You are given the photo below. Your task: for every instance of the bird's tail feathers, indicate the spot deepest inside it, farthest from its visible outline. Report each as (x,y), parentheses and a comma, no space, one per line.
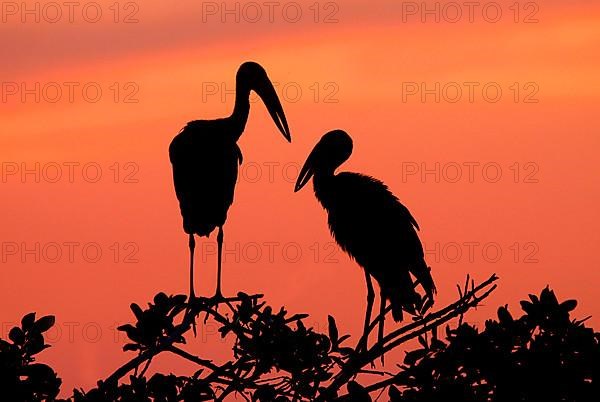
(423,275)
(403,302)
(403,297)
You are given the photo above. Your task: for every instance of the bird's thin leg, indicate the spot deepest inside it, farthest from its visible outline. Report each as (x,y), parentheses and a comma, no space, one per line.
(382,322)
(370,299)
(192,245)
(218,293)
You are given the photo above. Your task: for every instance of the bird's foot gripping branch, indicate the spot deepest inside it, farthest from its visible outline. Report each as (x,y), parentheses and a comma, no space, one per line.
(276,357)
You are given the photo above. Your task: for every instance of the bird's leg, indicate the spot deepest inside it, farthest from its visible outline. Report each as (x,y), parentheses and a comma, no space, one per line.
(218,293)
(370,299)
(192,245)
(381,322)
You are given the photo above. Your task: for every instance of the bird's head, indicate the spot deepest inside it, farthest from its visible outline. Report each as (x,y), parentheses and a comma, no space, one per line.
(331,151)
(253,77)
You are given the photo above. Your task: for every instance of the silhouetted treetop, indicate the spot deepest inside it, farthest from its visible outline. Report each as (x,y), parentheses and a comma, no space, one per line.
(20,376)
(543,355)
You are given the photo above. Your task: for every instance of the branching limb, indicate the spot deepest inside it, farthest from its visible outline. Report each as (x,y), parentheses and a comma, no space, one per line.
(469,299)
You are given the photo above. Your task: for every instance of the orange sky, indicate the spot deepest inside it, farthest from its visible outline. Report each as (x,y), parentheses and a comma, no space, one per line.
(527,187)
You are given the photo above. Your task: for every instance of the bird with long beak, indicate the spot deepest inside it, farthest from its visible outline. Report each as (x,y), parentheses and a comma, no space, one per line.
(372,226)
(205,158)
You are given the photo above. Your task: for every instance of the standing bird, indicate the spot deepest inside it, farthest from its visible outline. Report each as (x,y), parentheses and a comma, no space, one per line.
(372,226)
(205,158)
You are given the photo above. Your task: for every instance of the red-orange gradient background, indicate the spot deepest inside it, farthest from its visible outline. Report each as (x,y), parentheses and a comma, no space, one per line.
(351,74)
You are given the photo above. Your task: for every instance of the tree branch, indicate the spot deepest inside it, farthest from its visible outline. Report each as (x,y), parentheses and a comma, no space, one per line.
(167,343)
(413,330)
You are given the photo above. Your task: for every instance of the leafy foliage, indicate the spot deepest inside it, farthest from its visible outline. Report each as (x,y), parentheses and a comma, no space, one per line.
(154,323)
(543,355)
(20,376)
(160,387)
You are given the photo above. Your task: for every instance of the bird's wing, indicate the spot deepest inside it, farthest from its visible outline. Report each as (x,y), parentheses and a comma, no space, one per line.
(371,224)
(377,202)
(406,213)
(205,170)
(240,157)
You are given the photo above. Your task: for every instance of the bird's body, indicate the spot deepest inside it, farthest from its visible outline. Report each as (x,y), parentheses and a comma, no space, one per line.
(378,232)
(205,158)
(205,170)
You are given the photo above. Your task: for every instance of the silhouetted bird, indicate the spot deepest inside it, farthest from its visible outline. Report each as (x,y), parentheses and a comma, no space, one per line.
(371,225)
(205,158)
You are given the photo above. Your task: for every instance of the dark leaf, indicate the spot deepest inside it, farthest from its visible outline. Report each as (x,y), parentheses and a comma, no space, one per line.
(38,372)
(17,336)
(161,299)
(412,357)
(527,306)
(343,338)
(333,331)
(357,392)
(569,305)
(45,323)
(504,316)
(436,344)
(28,321)
(137,311)
(395,395)
(131,347)
(548,297)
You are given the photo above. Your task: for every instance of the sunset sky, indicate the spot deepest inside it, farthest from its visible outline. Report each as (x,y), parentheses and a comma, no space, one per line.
(485,126)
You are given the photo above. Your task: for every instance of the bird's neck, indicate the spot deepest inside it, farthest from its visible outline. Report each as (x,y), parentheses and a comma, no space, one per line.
(239,117)
(323,187)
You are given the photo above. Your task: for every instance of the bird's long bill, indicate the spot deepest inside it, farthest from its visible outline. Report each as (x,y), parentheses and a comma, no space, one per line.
(266,91)
(306,173)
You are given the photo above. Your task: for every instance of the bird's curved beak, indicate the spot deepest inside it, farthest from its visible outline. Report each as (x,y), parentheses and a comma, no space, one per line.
(306,173)
(266,91)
